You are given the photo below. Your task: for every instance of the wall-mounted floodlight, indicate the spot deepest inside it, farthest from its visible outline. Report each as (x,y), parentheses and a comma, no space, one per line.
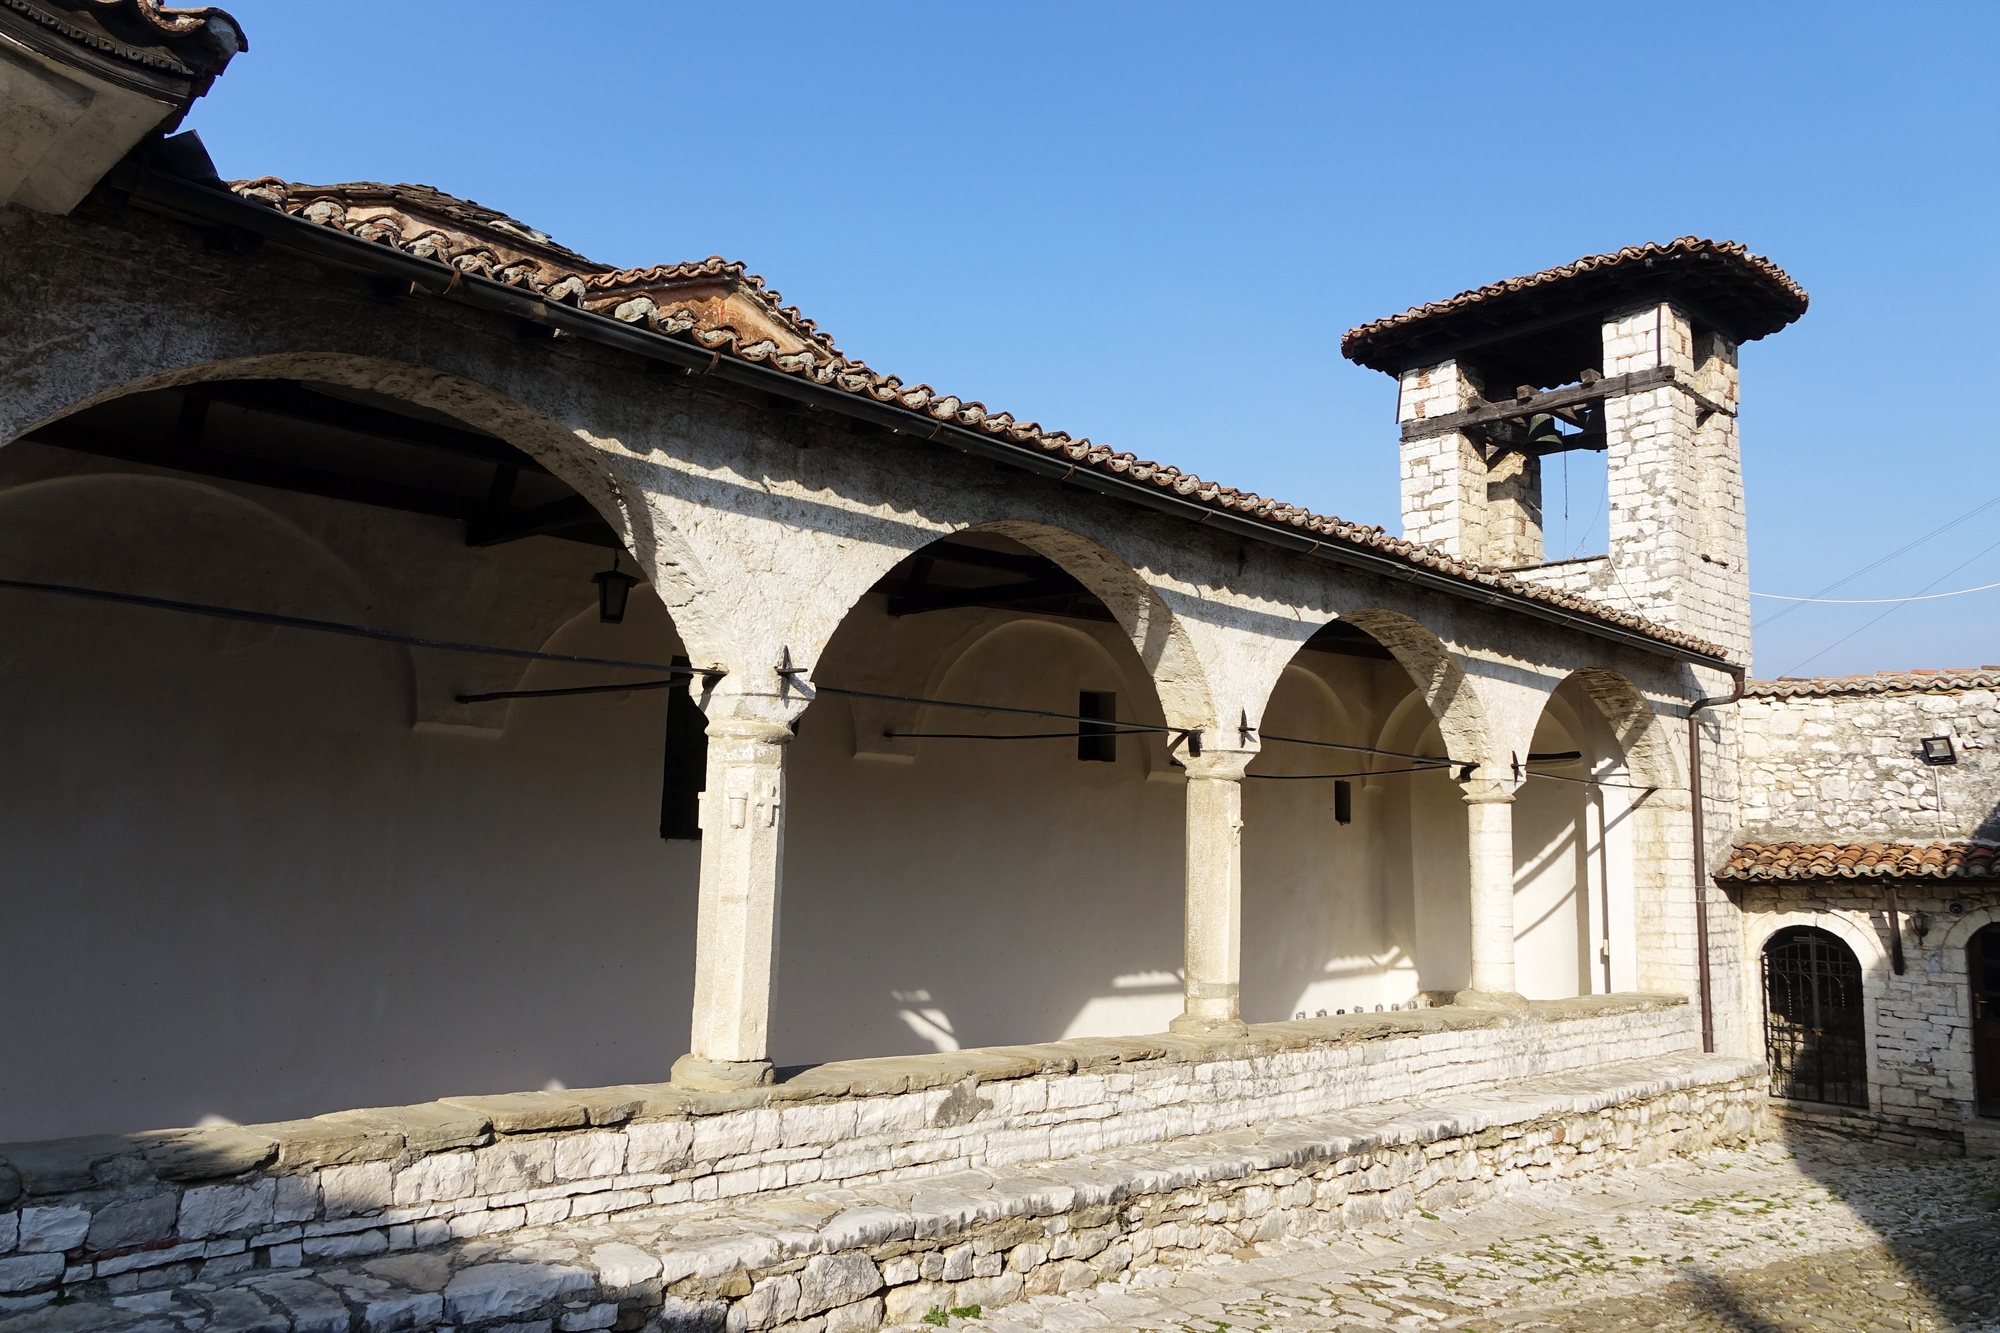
(1937,750)
(614,588)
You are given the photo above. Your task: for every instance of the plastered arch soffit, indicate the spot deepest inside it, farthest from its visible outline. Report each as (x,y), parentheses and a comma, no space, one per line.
(1407,724)
(329,566)
(673,569)
(938,683)
(1345,726)
(1440,682)
(1162,643)
(1326,717)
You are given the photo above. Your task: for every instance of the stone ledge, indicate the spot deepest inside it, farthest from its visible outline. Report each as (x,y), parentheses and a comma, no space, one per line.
(342,1138)
(372,1182)
(818,1260)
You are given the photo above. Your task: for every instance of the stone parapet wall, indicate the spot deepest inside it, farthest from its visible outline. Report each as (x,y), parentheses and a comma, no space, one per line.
(1844,767)
(820,1259)
(1589,576)
(359,1183)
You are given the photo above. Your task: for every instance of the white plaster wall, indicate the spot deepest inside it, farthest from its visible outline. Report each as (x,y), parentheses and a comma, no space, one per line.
(1329,918)
(1552,908)
(254,889)
(240,884)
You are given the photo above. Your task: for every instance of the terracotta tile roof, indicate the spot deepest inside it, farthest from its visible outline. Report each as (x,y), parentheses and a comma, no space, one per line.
(1792,862)
(186,43)
(1753,296)
(1953,680)
(718,306)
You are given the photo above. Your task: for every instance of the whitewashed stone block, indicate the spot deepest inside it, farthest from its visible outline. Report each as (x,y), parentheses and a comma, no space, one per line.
(215,1210)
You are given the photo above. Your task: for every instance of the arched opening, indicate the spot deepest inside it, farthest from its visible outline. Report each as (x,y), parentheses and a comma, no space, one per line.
(1982,961)
(274,872)
(1575,812)
(960,878)
(1815,1027)
(1355,873)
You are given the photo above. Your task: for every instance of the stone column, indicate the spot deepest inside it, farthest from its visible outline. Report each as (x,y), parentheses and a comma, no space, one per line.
(1214,894)
(736,930)
(1490,846)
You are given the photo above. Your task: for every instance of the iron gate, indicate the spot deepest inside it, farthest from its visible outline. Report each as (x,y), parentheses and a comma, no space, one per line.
(1815,1034)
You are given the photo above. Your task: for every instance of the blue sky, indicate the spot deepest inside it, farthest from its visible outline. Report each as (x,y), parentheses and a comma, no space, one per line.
(1150,224)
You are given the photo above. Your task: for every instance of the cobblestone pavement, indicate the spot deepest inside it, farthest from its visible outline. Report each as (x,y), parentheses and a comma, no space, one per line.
(1749,1241)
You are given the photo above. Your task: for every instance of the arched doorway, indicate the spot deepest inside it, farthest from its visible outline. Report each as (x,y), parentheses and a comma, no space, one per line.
(1982,959)
(1815,1031)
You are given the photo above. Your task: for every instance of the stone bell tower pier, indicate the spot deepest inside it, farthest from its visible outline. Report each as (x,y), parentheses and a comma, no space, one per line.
(1631,354)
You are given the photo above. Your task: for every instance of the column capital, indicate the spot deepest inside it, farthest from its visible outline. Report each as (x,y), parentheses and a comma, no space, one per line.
(1219,765)
(1487,791)
(758,729)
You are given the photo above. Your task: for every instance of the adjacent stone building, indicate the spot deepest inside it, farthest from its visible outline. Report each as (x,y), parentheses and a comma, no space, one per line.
(442,670)
(1870,893)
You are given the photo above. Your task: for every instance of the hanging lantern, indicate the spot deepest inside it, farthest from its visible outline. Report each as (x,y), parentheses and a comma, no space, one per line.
(614,588)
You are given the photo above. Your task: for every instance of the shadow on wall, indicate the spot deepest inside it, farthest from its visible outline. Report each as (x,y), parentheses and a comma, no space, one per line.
(254,891)
(955,892)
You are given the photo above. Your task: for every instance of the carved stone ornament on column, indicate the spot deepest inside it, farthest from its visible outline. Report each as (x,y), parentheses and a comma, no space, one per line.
(736,931)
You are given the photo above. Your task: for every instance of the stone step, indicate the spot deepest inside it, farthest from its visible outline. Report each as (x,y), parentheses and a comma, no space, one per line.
(827,1259)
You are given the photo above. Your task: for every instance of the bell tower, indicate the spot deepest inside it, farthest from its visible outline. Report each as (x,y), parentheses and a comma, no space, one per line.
(1631,354)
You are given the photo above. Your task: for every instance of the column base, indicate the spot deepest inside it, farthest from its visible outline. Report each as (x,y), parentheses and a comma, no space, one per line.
(1489,999)
(1193,1025)
(699,1074)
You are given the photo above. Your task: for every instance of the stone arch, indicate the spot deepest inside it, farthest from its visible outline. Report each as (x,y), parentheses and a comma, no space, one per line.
(1650,754)
(1859,936)
(1440,681)
(1167,653)
(1962,929)
(674,570)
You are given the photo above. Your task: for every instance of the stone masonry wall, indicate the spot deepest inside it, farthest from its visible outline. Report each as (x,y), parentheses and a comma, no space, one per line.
(359,1183)
(1585,577)
(848,1260)
(1920,1071)
(1844,768)
(1443,476)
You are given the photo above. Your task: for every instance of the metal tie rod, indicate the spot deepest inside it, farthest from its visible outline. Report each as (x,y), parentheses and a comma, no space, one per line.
(339,627)
(1191,736)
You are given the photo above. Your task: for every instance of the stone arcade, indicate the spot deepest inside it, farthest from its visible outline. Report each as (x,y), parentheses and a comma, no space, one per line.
(430,651)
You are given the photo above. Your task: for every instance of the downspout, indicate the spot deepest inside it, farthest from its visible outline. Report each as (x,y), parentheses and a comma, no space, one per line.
(1704,984)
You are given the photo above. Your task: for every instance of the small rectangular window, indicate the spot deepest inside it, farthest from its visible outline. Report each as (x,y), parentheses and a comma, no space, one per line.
(687,762)
(1343,801)
(1095,740)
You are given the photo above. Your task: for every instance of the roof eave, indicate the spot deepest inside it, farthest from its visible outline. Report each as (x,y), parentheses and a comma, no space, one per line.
(220,207)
